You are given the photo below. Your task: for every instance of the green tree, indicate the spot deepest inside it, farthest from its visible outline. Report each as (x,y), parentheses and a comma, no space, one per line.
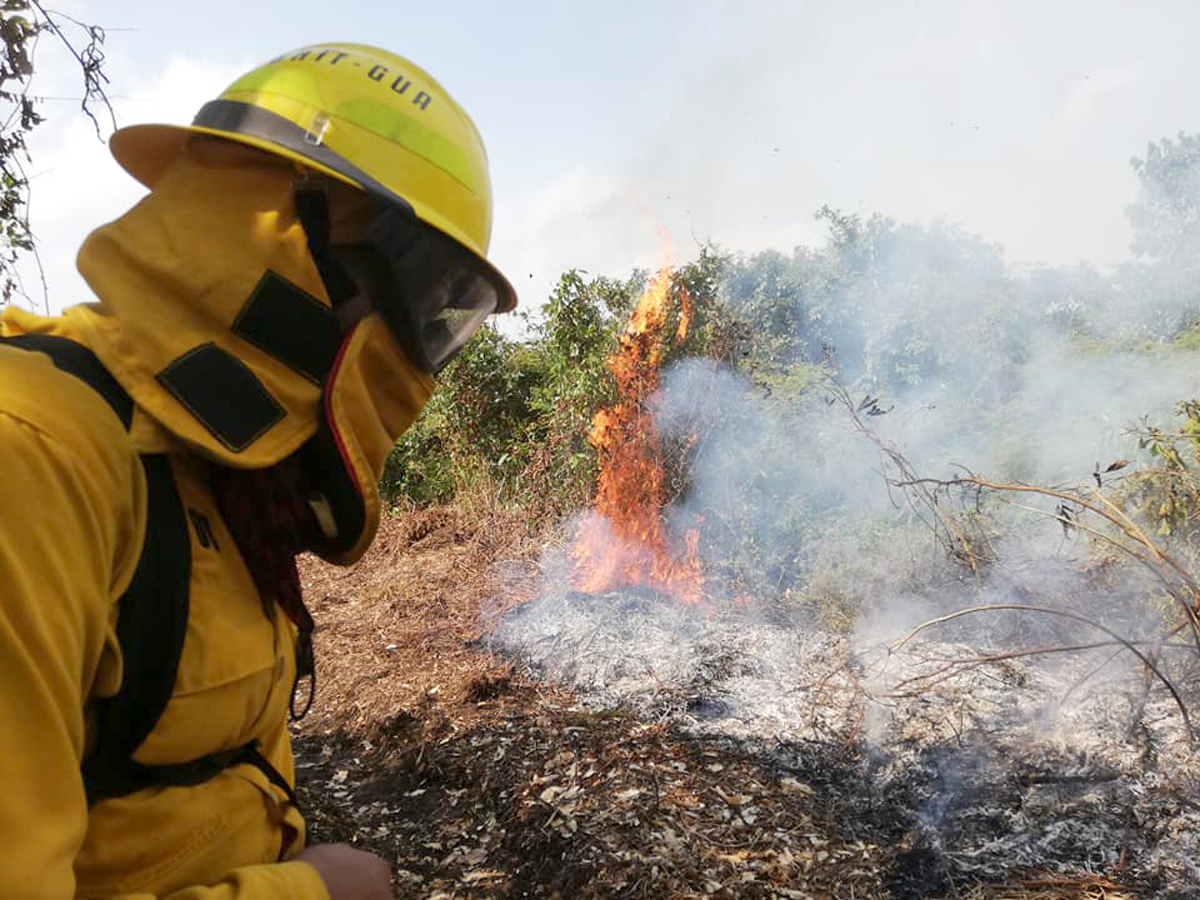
(1166,237)
(1166,215)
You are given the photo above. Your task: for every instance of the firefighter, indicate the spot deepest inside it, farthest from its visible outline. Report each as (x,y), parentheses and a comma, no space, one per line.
(268,319)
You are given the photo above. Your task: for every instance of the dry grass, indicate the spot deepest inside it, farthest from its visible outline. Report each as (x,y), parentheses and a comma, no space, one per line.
(400,624)
(1051,888)
(477,783)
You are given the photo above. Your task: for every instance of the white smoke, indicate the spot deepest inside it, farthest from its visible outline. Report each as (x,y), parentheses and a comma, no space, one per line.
(819,564)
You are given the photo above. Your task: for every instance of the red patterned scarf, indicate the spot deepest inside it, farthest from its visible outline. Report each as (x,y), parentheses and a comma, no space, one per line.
(270,523)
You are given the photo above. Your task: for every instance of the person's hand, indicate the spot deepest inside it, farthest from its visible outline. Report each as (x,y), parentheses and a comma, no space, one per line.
(349,873)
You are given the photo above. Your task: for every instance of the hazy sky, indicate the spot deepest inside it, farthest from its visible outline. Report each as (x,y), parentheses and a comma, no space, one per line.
(730,121)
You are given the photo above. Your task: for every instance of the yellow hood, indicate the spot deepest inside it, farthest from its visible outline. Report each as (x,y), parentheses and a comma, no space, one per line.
(213,316)
(173,275)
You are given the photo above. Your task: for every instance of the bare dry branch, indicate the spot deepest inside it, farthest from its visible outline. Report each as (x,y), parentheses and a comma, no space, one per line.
(1131,646)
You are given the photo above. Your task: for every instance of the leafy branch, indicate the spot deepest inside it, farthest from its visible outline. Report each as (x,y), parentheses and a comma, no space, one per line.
(22,22)
(1087,510)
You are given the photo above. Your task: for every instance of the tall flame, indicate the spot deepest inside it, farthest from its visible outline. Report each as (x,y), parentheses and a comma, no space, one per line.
(622,540)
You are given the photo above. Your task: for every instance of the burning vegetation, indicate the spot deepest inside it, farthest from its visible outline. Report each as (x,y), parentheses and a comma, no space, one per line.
(967,737)
(622,541)
(919,619)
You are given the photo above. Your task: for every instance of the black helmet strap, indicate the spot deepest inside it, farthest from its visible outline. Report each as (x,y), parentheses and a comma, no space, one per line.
(312,209)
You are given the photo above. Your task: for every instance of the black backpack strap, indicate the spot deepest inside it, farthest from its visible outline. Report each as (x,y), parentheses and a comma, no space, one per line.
(152,620)
(150,629)
(153,611)
(79,361)
(130,776)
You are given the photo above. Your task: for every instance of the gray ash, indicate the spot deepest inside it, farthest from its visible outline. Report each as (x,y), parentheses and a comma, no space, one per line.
(1003,769)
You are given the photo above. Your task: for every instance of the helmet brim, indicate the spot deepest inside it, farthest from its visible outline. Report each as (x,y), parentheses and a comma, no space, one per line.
(145,151)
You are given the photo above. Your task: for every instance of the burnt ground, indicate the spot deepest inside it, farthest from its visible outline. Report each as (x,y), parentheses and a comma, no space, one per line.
(478,781)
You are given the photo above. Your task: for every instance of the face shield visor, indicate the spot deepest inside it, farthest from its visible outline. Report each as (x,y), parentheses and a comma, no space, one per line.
(433,293)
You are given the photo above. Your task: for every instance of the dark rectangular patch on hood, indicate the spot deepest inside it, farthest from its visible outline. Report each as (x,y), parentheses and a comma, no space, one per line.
(223,394)
(290,324)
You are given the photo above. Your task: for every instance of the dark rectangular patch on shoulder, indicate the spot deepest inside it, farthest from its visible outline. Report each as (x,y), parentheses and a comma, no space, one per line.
(223,394)
(290,324)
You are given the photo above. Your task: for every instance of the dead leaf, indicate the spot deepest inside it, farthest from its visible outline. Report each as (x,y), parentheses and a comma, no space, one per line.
(791,785)
(483,875)
(736,858)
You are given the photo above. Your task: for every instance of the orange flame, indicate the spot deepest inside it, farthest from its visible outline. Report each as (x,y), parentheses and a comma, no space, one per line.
(622,540)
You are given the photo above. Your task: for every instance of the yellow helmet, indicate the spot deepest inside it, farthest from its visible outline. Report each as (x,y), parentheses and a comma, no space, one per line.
(359,114)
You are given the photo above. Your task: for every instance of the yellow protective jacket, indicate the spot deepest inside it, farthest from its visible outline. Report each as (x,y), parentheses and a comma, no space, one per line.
(72,523)
(73,481)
